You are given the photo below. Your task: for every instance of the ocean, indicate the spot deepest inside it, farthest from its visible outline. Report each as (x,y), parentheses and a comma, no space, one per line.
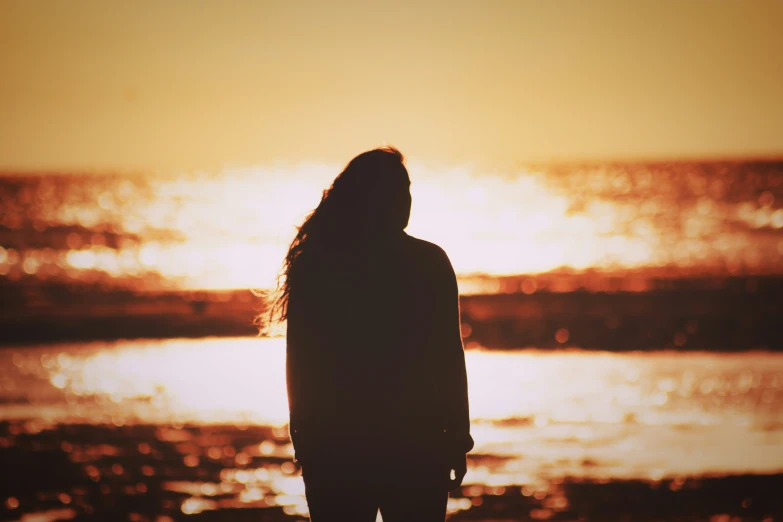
(230,229)
(621,324)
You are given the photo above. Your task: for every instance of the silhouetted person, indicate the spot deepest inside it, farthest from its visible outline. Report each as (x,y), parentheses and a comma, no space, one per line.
(377,387)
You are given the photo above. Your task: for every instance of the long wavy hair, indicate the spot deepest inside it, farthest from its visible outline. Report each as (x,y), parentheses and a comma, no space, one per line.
(368,200)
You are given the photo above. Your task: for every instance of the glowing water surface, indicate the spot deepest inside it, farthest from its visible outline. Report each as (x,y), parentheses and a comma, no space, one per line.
(643,415)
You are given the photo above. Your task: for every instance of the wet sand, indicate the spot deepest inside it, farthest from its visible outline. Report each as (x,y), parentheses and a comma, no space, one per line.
(226,472)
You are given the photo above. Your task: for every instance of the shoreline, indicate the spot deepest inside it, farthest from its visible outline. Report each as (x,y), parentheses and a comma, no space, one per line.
(213,472)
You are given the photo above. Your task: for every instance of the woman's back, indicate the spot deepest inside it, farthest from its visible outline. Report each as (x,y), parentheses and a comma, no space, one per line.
(369,339)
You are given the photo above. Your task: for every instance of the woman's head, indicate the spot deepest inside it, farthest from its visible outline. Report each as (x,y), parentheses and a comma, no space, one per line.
(368,201)
(371,196)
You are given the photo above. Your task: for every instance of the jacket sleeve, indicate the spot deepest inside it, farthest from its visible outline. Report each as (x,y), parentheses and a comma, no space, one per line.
(454,381)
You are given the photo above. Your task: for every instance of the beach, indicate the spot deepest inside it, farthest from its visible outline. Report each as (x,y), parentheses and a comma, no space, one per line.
(195,429)
(160,473)
(602,180)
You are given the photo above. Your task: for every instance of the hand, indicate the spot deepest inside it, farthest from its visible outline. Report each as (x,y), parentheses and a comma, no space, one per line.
(459,467)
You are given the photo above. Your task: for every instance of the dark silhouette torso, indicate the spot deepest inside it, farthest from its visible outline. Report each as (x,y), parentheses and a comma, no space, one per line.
(375,362)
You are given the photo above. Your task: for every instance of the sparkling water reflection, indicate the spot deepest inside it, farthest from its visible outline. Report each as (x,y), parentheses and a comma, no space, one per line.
(230,229)
(535,413)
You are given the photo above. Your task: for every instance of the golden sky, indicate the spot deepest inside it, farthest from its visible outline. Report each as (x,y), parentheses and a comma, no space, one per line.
(179,84)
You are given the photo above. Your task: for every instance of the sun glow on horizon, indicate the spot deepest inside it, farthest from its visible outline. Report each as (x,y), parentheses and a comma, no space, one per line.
(231,230)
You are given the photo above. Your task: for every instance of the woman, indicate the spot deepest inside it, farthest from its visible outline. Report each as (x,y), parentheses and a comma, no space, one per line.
(376,376)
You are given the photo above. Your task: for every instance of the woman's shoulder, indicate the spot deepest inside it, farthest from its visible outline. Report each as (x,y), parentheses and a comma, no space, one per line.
(427,252)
